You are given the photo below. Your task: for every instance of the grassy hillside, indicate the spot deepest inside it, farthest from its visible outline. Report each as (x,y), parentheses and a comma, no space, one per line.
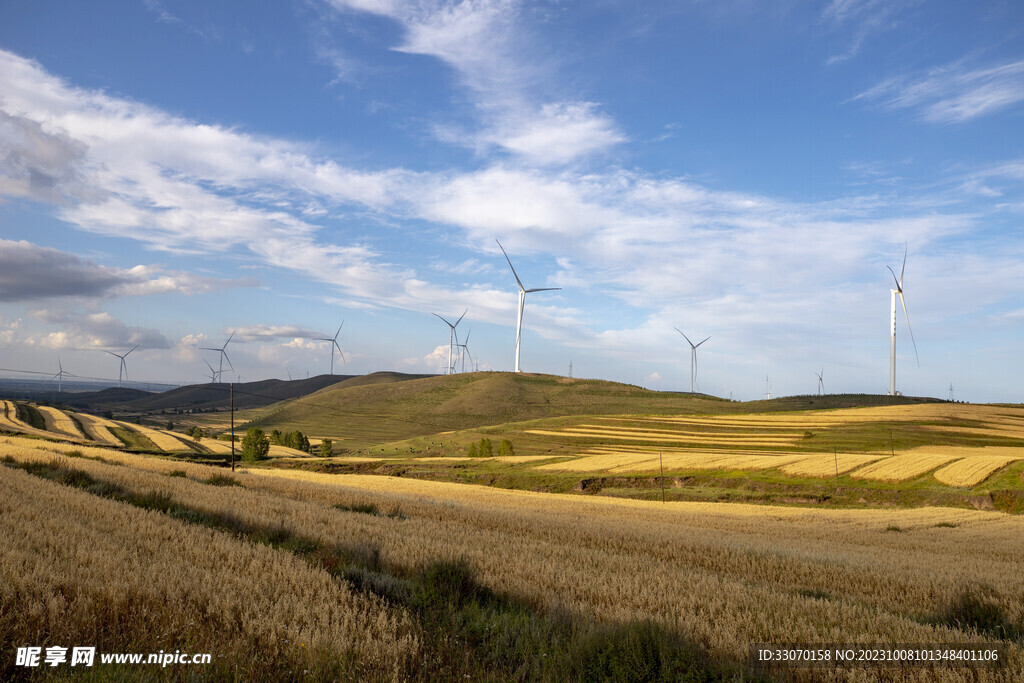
(369,414)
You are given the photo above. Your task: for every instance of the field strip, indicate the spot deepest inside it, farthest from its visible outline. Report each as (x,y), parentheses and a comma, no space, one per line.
(57,421)
(904,466)
(664,437)
(825,465)
(96,428)
(993,430)
(759,423)
(277,451)
(163,440)
(973,470)
(219,447)
(648,430)
(12,423)
(649,462)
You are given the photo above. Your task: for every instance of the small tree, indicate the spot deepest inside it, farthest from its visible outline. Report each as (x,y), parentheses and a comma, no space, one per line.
(505,449)
(472,452)
(326,448)
(170,425)
(486,450)
(275,437)
(255,445)
(197,433)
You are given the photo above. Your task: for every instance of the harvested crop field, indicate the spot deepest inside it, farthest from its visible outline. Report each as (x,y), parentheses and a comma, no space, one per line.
(903,466)
(57,421)
(98,429)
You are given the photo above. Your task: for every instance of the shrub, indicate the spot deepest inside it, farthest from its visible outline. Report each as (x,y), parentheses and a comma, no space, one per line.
(486,450)
(326,448)
(505,449)
(472,452)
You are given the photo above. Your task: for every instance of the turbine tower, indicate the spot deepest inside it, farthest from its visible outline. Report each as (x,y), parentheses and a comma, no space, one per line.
(453,339)
(223,351)
(892,319)
(693,356)
(124,366)
(522,300)
(334,345)
(821,380)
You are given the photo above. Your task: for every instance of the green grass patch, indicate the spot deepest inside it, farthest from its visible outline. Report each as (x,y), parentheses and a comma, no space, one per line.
(221,480)
(133,439)
(28,414)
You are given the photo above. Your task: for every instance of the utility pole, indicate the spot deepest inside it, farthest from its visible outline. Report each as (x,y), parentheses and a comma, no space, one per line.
(232,394)
(662,463)
(570,369)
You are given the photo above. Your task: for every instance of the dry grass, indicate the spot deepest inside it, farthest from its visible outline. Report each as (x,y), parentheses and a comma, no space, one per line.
(57,421)
(665,436)
(904,466)
(84,570)
(10,422)
(164,440)
(98,429)
(619,461)
(826,464)
(725,575)
(976,468)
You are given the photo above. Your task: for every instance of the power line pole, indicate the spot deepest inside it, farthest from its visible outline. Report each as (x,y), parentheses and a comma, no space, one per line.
(232,393)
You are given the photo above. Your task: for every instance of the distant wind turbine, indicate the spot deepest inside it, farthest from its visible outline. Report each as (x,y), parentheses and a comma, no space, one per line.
(892,329)
(522,300)
(464,346)
(214,375)
(693,356)
(60,376)
(821,381)
(124,366)
(223,351)
(453,339)
(334,345)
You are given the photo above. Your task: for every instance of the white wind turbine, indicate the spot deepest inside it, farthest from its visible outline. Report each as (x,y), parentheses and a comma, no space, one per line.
(124,366)
(453,339)
(522,300)
(334,345)
(693,356)
(892,318)
(821,380)
(223,351)
(60,376)
(464,350)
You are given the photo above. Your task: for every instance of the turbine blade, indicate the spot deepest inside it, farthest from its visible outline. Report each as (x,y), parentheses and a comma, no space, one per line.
(341,352)
(904,265)
(445,321)
(230,337)
(899,287)
(686,338)
(461,317)
(208,365)
(705,339)
(907,317)
(111,353)
(520,282)
(543,289)
(335,337)
(228,360)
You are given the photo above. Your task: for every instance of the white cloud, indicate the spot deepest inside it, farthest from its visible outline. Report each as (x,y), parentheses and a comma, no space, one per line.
(484,42)
(953,93)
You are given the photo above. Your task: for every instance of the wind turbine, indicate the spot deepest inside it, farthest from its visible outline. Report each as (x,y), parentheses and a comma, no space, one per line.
(693,356)
(124,366)
(223,351)
(60,376)
(452,339)
(522,300)
(334,345)
(465,350)
(892,329)
(214,375)
(821,380)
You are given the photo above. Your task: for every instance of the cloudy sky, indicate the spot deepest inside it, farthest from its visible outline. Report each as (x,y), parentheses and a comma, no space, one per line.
(172,172)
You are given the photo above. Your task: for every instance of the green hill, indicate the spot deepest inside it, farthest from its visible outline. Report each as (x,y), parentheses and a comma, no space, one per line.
(364,412)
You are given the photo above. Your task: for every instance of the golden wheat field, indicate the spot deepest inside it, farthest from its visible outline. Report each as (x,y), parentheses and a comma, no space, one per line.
(723,575)
(98,429)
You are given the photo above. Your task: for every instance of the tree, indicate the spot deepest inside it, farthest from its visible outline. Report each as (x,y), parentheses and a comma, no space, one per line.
(486,450)
(472,452)
(255,445)
(275,437)
(326,448)
(170,425)
(197,433)
(505,449)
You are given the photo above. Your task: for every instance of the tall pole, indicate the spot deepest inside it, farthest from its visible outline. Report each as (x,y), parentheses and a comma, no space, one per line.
(693,365)
(231,391)
(892,345)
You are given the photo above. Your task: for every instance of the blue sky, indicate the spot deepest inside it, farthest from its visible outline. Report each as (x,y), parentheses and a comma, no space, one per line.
(171,172)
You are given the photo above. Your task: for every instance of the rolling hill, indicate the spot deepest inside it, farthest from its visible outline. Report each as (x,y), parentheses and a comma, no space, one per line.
(364,412)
